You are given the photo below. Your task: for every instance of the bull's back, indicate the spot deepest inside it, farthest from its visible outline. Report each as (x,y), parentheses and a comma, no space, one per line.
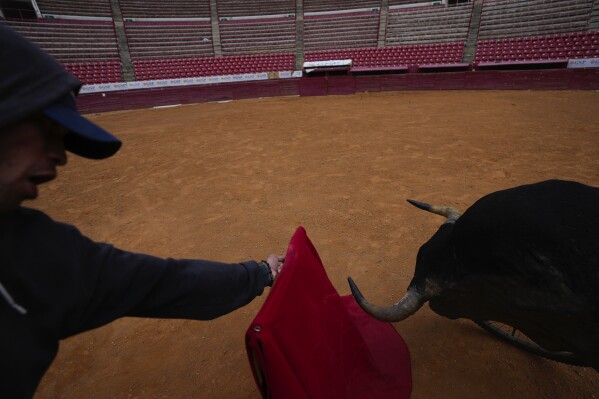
(546,233)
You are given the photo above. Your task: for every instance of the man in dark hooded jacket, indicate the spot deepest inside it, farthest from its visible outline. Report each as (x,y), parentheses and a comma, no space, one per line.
(55,282)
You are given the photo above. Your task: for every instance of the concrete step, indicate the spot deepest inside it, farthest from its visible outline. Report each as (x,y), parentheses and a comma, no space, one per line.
(594,18)
(470,46)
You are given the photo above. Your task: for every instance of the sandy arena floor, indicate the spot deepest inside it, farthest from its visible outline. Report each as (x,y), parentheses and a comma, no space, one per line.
(232,181)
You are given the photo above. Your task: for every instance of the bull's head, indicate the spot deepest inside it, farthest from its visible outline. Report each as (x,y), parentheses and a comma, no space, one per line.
(431,254)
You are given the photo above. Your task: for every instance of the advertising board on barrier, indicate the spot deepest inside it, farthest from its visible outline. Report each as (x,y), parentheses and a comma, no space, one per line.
(149,84)
(584,63)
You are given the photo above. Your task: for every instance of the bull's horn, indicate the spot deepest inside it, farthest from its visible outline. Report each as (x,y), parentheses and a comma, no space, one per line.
(451,214)
(408,305)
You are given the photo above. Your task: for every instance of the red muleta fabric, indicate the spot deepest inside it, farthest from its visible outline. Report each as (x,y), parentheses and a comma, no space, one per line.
(307,342)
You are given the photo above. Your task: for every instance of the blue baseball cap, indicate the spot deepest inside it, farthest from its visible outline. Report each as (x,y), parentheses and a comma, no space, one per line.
(84,137)
(32,82)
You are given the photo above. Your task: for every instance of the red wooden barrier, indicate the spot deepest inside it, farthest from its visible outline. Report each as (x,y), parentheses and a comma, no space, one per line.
(551,79)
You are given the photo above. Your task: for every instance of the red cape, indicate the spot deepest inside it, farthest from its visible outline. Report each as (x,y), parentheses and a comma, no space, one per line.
(307,342)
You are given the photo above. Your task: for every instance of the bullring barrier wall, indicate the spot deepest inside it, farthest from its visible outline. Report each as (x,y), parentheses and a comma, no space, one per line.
(553,79)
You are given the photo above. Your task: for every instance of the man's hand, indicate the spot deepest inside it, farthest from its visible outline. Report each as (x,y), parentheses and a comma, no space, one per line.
(276,264)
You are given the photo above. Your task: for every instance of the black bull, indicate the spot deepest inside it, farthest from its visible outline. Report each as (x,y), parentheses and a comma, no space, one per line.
(526,256)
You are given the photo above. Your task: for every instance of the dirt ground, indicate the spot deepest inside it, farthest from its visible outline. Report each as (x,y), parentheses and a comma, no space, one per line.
(232,181)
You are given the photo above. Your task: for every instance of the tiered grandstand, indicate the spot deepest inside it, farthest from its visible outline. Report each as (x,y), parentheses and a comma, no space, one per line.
(536,48)
(503,18)
(76,8)
(428,25)
(535,30)
(72,40)
(341,31)
(153,39)
(158,40)
(236,8)
(185,9)
(407,3)
(96,72)
(251,36)
(313,6)
(418,54)
(198,67)
(87,48)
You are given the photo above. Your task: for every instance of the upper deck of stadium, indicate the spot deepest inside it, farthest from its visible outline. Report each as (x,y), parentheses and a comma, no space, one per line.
(107,41)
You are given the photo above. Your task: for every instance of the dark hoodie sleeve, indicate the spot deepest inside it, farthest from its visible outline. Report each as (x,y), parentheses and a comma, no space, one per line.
(72,284)
(118,283)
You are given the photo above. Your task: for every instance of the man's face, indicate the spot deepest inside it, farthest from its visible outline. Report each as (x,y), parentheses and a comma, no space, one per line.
(30,151)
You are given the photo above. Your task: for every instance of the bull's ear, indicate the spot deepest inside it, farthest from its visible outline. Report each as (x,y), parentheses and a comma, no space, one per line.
(451,214)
